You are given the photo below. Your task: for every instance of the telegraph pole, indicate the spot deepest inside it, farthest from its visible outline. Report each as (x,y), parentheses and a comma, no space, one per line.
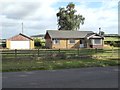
(22,27)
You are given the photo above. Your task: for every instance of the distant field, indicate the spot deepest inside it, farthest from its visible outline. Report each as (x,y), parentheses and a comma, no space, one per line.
(111,39)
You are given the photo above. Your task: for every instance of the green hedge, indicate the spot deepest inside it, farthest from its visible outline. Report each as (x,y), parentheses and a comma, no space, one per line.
(113,43)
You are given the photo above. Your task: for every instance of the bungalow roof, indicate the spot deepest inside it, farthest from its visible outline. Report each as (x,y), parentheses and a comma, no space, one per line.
(67,34)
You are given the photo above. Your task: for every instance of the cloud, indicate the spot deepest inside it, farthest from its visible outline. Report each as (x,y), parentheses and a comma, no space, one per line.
(104,16)
(37,16)
(40,15)
(15,10)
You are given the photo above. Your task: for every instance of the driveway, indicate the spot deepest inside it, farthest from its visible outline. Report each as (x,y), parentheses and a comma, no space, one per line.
(95,77)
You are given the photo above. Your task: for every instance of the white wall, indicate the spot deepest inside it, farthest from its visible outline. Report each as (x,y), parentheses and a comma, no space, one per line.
(19,45)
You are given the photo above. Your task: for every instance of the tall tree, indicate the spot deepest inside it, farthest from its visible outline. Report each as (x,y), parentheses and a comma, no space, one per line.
(67,19)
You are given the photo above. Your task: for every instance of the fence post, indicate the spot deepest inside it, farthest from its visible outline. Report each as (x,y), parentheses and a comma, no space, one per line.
(15,53)
(112,50)
(59,50)
(38,52)
(78,51)
(96,50)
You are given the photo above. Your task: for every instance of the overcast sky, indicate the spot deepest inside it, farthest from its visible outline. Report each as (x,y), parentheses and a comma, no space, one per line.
(40,15)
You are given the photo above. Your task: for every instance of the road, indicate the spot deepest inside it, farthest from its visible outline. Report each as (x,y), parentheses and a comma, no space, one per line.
(94,77)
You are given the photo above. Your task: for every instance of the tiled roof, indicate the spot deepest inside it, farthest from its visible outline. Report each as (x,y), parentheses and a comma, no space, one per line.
(68,34)
(20,37)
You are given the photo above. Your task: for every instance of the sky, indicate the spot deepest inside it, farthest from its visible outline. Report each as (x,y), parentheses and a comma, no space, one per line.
(38,16)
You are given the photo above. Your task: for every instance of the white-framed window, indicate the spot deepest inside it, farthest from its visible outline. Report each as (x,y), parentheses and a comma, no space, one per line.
(56,41)
(97,41)
(71,41)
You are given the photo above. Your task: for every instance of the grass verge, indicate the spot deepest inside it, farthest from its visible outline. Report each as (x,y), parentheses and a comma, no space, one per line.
(28,65)
(64,60)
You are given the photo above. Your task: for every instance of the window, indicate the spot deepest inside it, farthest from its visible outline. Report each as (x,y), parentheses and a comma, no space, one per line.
(97,41)
(56,41)
(71,41)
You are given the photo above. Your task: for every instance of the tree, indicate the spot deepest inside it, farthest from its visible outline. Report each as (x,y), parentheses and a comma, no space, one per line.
(68,19)
(39,43)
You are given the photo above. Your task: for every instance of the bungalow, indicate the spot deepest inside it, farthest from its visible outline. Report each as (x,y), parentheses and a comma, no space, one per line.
(72,39)
(20,41)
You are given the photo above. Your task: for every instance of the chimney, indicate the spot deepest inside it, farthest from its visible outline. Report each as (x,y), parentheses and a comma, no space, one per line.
(100,30)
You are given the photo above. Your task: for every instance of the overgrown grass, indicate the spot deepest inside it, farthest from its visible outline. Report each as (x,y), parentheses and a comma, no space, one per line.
(27,65)
(64,59)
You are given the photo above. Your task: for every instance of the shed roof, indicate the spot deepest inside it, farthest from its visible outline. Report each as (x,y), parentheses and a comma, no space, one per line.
(40,35)
(67,34)
(20,37)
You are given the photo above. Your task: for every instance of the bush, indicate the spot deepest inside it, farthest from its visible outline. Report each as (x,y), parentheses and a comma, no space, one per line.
(117,44)
(61,55)
(39,43)
(52,56)
(113,43)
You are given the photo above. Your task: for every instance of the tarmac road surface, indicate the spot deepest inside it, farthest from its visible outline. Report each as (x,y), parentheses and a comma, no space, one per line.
(94,77)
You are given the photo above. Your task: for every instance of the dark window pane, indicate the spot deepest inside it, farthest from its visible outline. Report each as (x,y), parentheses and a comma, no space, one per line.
(72,41)
(80,41)
(97,41)
(56,41)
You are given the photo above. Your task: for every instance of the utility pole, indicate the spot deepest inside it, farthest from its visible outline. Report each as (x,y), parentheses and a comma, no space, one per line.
(22,27)
(100,30)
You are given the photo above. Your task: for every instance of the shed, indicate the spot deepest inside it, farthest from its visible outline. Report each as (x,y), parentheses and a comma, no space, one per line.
(20,41)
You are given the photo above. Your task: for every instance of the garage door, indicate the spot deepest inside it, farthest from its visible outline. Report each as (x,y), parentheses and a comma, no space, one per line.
(19,45)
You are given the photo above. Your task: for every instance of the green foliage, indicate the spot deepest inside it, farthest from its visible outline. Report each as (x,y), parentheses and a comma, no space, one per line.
(39,43)
(67,19)
(114,43)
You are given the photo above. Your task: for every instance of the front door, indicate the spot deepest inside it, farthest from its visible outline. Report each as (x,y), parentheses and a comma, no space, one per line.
(81,43)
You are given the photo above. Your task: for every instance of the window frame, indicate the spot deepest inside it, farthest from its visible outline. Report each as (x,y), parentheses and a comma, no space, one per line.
(100,42)
(70,41)
(56,41)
